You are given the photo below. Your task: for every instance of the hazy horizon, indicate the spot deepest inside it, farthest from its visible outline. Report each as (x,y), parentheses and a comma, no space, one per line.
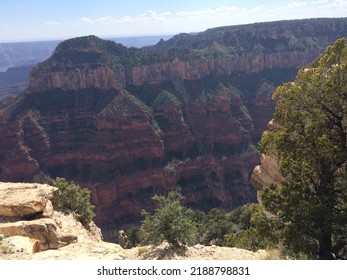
(112,38)
(42,20)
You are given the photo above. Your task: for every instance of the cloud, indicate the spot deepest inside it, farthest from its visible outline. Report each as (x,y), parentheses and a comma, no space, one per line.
(294,4)
(224,10)
(86,20)
(319,2)
(219,13)
(338,4)
(146,17)
(53,23)
(106,20)
(152,16)
(257,9)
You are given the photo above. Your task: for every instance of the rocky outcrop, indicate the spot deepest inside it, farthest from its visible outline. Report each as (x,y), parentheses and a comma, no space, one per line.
(28,218)
(45,230)
(22,244)
(23,199)
(268,172)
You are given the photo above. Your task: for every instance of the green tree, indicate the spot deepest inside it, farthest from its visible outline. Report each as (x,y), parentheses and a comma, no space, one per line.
(171,222)
(253,230)
(215,226)
(71,197)
(312,151)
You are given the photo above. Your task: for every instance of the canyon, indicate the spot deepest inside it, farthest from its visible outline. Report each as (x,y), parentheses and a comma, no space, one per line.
(129,123)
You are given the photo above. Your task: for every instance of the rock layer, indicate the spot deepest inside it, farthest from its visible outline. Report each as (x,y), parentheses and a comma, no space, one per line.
(102,77)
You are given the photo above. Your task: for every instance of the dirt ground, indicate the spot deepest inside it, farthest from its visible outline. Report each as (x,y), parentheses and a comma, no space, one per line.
(110,251)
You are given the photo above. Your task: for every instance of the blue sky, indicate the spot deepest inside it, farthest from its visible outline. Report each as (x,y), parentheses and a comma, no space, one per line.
(23,20)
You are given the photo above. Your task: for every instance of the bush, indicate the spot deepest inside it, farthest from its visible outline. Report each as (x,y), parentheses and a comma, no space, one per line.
(253,231)
(133,236)
(171,222)
(71,197)
(215,225)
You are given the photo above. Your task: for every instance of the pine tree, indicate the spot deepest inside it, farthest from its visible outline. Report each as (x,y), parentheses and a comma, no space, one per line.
(171,222)
(312,150)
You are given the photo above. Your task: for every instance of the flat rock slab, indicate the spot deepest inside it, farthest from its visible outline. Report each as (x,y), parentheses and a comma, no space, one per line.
(23,199)
(45,230)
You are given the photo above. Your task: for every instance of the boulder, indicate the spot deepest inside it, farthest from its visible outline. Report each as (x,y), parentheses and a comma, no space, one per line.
(48,211)
(23,199)
(22,244)
(122,239)
(44,230)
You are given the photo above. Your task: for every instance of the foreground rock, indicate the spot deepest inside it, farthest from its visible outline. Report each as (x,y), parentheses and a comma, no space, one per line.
(99,250)
(197,252)
(28,220)
(88,245)
(23,199)
(46,231)
(50,235)
(20,244)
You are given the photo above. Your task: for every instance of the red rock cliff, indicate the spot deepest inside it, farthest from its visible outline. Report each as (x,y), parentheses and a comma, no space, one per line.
(103,77)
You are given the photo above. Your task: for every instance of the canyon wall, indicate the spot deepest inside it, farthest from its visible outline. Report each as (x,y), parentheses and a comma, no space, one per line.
(103,77)
(131,123)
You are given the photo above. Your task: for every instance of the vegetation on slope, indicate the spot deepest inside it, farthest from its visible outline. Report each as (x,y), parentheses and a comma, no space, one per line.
(166,99)
(170,222)
(246,227)
(70,196)
(95,51)
(267,37)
